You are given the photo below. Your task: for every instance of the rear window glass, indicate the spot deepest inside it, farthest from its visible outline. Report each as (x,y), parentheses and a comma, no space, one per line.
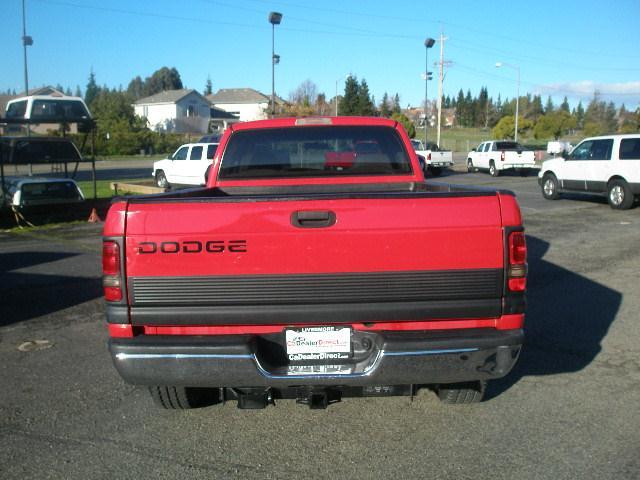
(630,149)
(314,152)
(507,146)
(50,191)
(58,109)
(34,151)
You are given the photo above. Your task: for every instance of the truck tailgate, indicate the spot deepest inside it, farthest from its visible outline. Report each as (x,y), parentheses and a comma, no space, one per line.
(358,258)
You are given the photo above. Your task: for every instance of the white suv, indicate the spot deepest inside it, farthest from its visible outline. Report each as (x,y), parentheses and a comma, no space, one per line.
(608,164)
(189,165)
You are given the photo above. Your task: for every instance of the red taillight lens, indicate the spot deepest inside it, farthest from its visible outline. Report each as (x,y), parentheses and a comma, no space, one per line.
(111,279)
(502,157)
(429,157)
(517,269)
(517,248)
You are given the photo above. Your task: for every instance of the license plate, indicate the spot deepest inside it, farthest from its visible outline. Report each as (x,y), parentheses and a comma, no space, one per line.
(318,343)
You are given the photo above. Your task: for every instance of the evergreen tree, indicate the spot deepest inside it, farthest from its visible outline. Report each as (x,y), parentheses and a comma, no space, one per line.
(365,105)
(78,92)
(385,110)
(349,102)
(396,104)
(549,108)
(92,90)
(564,106)
(208,88)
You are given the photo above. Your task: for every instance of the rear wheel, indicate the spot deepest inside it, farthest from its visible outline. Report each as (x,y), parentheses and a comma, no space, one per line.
(470,166)
(493,171)
(161,179)
(461,393)
(550,186)
(619,195)
(183,398)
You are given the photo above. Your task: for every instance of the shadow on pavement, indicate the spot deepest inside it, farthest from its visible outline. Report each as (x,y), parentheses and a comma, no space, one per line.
(29,295)
(568,315)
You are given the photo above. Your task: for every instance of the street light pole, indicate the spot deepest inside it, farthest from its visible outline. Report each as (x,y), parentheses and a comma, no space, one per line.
(428,43)
(517,69)
(274,18)
(26,42)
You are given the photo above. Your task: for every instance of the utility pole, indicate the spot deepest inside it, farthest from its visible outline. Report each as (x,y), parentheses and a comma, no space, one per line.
(442,64)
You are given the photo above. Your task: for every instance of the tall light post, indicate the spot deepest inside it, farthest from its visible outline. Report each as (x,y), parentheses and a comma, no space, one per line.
(274,19)
(428,43)
(517,69)
(27,41)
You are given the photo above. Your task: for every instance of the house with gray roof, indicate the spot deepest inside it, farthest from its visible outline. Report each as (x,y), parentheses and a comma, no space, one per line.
(244,103)
(176,111)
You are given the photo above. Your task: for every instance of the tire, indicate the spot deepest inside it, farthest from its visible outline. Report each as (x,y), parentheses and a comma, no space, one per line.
(183,398)
(435,171)
(550,186)
(493,171)
(461,393)
(619,194)
(161,179)
(470,166)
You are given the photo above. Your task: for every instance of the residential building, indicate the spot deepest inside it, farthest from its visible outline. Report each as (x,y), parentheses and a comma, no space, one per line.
(176,111)
(244,103)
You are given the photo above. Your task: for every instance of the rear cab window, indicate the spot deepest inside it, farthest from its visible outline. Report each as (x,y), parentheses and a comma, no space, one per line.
(317,151)
(507,146)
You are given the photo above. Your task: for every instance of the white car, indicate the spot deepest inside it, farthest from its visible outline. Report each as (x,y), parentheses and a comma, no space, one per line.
(189,165)
(608,165)
(498,155)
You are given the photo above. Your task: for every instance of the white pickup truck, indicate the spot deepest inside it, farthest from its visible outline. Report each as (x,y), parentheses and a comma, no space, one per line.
(433,159)
(189,165)
(498,155)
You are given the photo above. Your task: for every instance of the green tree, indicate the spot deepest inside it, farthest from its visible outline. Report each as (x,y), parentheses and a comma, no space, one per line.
(92,90)
(208,88)
(385,110)
(349,103)
(553,125)
(505,128)
(365,104)
(564,106)
(548,107)
(408,125)
(162,79)
(396,108)
(136,88)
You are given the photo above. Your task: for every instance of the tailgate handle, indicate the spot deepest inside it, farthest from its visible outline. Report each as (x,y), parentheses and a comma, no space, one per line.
(313,219)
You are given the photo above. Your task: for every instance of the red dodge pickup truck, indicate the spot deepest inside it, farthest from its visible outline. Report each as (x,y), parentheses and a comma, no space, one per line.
(289,276)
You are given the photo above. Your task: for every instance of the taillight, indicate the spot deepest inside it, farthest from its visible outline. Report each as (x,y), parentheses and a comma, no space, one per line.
(517,268)
(429,156)
(502,156)
(111,274)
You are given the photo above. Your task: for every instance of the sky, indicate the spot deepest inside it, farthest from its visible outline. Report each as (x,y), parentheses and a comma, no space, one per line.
(560,48)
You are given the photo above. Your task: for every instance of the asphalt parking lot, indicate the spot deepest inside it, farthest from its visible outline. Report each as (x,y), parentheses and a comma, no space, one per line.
(569,410)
